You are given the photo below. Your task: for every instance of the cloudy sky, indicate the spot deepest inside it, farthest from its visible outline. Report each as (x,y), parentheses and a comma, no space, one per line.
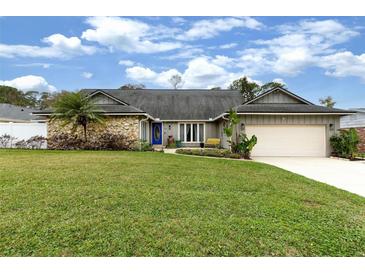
(314,56)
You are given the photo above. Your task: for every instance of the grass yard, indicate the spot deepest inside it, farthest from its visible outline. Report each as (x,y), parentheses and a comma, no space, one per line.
(90,203)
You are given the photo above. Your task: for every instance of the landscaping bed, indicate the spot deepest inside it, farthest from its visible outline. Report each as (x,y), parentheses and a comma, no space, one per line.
(210,152)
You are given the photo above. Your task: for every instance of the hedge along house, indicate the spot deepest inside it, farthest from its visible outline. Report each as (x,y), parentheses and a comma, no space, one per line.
(285,124)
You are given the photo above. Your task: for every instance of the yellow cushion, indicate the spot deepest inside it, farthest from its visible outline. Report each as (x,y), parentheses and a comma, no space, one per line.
(213,141)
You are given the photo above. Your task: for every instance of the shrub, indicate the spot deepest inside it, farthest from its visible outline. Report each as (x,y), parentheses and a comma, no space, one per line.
(21,144)
(64,141)
(184,151)
(172,145)
(246,145)
(214,153)
(106,141)
(6,141)
(220,153)
(197,152)
(234,156)
(110,141)
(345,143)
(36,142)
(144,146)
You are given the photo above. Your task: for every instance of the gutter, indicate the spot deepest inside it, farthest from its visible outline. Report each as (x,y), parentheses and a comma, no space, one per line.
(296,113)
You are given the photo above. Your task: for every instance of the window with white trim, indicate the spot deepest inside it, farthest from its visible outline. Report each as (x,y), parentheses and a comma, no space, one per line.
(191,132)
(143,130)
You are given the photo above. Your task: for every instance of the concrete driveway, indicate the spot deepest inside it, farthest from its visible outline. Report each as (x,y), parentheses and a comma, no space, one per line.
(347,175)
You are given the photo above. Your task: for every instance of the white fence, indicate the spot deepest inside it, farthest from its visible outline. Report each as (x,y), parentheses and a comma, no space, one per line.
(23,131)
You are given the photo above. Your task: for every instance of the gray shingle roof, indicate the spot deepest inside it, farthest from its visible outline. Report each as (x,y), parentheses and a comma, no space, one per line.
(13,113)
(287,108)
(178,104)
(105,109)
(194,104)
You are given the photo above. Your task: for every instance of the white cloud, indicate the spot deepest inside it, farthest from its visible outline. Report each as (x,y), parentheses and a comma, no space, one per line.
(59,46)
(201,72)
(127,63)
(178,20)
(222,60)
(228,46)
(128,35)
(141,73)
(279,80)
(344,64)
(299,46)
(209,28)
(187,52)
(29,83)
(43,65)
(87,75)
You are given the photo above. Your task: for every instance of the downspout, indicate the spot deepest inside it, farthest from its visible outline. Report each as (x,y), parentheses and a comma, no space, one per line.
(224,118)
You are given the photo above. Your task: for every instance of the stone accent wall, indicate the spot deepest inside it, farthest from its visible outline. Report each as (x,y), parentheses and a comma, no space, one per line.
(361,133)
(127,126)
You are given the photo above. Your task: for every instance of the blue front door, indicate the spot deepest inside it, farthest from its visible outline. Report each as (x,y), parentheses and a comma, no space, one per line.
(156,133)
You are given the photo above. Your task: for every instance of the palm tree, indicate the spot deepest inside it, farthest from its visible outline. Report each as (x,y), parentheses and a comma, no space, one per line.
(76,109)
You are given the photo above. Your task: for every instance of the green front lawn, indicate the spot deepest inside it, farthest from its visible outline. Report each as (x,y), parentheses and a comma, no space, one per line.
(90,203)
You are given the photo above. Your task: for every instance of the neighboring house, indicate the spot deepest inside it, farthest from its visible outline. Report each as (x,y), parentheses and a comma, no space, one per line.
(356,121)
(19,122)
(17,114)
(284,123)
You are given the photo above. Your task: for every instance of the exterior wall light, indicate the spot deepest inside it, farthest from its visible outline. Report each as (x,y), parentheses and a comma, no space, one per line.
(243,127)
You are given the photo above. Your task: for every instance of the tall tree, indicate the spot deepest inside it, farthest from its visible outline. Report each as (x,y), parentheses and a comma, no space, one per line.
(10,95)
(78,110)
(249,90)
(133,86)
(175,81)
(47,99)
(270,85)
(327,102)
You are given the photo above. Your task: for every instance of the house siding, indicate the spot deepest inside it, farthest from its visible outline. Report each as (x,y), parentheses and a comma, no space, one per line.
(101,99)
(277,97)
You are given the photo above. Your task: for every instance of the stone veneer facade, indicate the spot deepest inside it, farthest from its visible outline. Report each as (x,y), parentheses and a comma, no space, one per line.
(361,133)
(127,126)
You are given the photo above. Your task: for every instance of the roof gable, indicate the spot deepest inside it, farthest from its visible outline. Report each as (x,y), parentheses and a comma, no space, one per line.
(104,98)
(278,96)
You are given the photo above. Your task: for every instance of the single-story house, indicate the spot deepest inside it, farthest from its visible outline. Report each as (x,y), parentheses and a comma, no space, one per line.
(284,123)
(356,121)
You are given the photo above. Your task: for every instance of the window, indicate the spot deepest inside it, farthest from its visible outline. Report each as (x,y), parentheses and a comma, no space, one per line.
(144,130)
(201,133)
(191,132)
(182,132)
(188,133)
(195,132)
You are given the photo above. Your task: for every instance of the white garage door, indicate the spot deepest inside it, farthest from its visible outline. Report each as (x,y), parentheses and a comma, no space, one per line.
(289,140)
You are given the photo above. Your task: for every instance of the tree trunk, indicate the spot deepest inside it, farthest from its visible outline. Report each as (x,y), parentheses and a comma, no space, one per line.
(85,132)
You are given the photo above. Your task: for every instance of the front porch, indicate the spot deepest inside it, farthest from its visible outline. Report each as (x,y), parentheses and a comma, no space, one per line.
(176,134)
